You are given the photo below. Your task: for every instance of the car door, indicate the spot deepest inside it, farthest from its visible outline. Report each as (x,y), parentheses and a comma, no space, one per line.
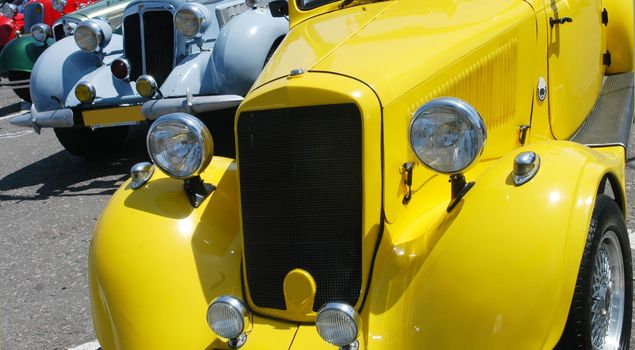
(575,55)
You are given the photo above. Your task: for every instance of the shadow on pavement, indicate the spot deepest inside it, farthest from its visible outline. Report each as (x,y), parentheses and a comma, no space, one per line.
(63,174)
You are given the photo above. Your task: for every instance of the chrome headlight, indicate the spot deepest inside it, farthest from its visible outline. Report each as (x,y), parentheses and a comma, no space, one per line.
(192,19)
(146,86)
(92,34)
(447,135)
(58,5)
(41,32)
(180,145)
(227,317)
(9,10)
(338,324)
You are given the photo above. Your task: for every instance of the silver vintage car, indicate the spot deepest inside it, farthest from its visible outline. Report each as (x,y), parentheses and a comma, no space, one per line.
(173,55)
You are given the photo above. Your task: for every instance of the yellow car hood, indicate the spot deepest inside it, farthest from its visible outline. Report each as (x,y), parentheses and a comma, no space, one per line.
(392,48)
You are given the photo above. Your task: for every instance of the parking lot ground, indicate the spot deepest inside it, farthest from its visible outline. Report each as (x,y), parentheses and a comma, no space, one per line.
(49,202)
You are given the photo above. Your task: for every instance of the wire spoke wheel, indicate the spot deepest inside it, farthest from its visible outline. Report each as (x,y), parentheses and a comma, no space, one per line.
(607,299)
(600,313)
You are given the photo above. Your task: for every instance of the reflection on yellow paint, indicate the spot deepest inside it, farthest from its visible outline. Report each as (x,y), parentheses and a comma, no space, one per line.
(554,197)
(185,226)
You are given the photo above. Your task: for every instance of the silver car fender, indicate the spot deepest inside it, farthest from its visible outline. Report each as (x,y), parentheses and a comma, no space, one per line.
(242,47)
(62,66)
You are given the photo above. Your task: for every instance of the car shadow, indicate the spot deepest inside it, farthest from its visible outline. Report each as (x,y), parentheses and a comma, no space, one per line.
(65,175)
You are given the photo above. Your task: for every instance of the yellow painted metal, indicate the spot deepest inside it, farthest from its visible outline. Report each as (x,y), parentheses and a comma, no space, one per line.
(498,271)
(320,89)
(620,39)
(575,62)
(156,263)
(112,116)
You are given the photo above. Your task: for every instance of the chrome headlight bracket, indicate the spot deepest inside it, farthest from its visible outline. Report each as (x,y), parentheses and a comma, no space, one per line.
(197,190)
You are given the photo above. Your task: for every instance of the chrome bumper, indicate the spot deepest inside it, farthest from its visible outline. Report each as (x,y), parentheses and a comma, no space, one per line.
(60,118)
(153,109)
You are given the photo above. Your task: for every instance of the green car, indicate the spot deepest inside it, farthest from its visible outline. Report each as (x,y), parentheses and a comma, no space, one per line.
(19,55)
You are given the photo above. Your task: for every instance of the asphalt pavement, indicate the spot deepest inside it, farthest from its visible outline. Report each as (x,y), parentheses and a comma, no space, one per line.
(49,202)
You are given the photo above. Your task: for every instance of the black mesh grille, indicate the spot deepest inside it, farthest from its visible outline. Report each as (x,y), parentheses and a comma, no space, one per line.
(132,45)
(58,32)
(159,44)
(301,198)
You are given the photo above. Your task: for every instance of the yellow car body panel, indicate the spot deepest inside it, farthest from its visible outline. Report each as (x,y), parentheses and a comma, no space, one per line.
(496,272)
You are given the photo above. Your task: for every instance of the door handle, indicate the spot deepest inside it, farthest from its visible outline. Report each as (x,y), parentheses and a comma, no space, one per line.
(562,20)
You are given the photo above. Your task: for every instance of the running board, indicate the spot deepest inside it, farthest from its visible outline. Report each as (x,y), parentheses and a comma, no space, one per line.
(610,120)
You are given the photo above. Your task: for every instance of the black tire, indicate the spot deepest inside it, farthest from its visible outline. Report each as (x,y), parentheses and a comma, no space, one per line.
(607,240)
(25,93)
(85,142)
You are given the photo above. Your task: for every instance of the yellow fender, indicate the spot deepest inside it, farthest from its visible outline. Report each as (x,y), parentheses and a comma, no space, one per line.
(499,270)
(164,261)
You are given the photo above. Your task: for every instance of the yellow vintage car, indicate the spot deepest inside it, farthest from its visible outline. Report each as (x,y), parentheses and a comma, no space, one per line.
(404,174)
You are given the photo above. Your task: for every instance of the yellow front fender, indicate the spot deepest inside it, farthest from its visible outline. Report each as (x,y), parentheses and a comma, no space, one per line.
(499,270)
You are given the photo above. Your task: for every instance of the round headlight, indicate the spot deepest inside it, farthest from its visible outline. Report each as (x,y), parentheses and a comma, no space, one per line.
(180,145)
(338,324)
(92,34)
(447,135)
(69,28)
(9,10)
(59,5)
(146,86)
(41,32)
(191,19)
(227,317)
(85,92)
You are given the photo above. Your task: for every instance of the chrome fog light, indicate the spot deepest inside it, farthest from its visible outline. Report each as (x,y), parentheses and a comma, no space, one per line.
(85,92)
(180,145)
(338,324)
(41,32)
(447,135)
(92,34)
(228,318)
(192,19)
(9,10)
(140,174)
(146,86)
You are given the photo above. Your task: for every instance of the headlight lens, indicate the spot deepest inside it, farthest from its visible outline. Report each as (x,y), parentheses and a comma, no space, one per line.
(92,34)
(180,145)
(41,32)
(447,135)
(59,5)
(227,317)
(120,68)
(191,19)
(85,92)
(9,10)
(338,324)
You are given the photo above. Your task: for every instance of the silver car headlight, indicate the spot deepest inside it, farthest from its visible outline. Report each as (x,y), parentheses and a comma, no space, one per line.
(41,32)
(180,145)
(447,135)
(9,10)
(92,34)
(192,19)
(58,5)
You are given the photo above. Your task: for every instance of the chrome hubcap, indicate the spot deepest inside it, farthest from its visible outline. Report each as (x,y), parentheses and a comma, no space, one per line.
(607,292)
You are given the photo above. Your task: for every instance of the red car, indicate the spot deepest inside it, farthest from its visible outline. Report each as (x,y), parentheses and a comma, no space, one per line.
(22,15)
